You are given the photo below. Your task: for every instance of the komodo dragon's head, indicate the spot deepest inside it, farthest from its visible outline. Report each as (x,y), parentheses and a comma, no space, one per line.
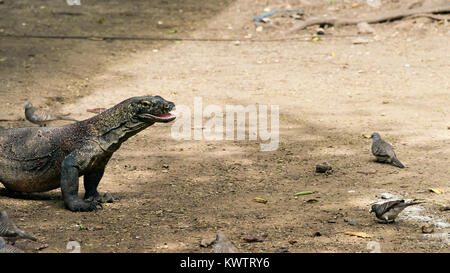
(117,124)
(151,109)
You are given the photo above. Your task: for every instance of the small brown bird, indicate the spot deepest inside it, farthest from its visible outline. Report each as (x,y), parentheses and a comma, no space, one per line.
(40,117)
(223,245)
(9,230)
(388,211)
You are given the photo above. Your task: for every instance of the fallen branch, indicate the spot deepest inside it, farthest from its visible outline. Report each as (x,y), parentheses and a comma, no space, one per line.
(431,16)
(389,16)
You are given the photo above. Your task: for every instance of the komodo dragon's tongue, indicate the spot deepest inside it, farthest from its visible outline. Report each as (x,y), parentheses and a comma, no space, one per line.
(166,116)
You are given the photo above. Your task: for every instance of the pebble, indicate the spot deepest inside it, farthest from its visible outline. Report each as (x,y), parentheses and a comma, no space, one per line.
(207,242)
(428,228)
(323,167)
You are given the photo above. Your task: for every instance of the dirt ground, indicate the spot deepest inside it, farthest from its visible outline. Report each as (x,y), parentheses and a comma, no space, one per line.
(330,91)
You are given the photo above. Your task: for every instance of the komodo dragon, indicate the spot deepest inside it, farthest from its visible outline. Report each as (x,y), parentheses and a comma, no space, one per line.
(38,159)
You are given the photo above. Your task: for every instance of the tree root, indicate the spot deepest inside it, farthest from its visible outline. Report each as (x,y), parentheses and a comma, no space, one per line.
(388,16)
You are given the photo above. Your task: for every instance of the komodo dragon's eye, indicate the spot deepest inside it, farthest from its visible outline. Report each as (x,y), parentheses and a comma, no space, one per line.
(146,104)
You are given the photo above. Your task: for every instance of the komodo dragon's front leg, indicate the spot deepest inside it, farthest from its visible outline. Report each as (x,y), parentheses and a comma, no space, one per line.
(82,161)
(91,181)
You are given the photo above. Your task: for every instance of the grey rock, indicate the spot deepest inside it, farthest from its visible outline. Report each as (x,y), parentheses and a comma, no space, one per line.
(323,167)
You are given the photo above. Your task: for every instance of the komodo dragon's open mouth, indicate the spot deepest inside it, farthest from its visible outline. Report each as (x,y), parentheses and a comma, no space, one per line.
(166,117)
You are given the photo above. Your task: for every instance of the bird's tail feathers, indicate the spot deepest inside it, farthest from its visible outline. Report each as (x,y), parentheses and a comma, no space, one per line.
(397,163)
(413,203)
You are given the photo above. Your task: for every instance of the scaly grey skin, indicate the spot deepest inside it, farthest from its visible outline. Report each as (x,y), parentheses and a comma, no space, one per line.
(40,117)
(223,245)
(383,151)
(5,248)
(39,159)
(10,230)
(388,211)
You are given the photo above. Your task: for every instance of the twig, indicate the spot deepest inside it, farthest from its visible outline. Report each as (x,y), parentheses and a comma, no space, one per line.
(431,16)
(389,16)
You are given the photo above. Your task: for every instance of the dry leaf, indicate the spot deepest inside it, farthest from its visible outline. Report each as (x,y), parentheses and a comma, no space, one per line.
(304,193)
(260,200)
(438,191)
(358,234)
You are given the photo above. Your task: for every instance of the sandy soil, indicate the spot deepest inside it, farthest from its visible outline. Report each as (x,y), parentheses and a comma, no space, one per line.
(330,92)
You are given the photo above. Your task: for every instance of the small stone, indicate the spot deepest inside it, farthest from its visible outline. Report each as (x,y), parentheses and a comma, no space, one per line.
(207,242)
(386,195)
(323,167)
(259,28)
(41,247)
(360,40)
(320,31)
(428,228)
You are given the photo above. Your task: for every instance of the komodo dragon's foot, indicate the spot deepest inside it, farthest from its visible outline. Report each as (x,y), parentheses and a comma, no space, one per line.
(82,205)
(105,198)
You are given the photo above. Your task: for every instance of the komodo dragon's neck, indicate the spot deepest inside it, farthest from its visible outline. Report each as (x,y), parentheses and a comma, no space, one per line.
(113,126)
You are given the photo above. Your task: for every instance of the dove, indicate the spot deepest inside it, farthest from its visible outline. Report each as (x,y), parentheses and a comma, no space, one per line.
(41,117)
(389,210)
(9,230)
(5,248)
(223,245)
(383,151)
